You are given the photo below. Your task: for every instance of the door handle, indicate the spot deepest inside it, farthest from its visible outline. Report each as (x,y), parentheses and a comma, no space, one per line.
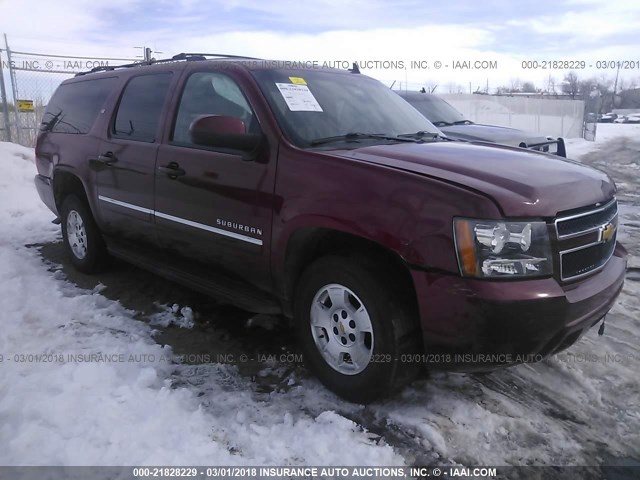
(108,158)
(172,170)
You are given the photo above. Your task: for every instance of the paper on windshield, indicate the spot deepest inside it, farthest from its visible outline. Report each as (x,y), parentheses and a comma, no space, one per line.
(299,98)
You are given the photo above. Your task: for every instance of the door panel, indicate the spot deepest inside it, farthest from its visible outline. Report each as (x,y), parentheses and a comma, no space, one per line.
(211,205)
(125,165)
(125,188)
(218,212)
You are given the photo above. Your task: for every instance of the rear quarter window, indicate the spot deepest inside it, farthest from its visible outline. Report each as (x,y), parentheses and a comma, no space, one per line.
(74,107)
(140,107)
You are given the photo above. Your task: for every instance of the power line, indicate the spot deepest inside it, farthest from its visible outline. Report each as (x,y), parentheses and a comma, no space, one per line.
(13,52)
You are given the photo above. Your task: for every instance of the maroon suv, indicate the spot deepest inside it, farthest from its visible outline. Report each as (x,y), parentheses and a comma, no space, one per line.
(322,195)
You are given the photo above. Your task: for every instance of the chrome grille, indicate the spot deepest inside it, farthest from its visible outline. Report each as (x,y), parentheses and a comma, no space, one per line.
(598,227)
(585,222)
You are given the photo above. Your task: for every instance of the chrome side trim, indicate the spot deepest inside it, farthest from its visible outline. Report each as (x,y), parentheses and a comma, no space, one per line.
(209,228)
(183,221)
(125,205)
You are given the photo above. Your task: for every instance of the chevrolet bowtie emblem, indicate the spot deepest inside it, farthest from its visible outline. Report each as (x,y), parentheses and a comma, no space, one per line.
(607,232)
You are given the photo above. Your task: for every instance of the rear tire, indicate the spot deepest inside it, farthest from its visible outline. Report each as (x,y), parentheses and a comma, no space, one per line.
(355,329)
(82,239)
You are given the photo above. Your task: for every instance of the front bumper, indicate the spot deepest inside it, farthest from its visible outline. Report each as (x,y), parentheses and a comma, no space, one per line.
(45,191)
(475,325)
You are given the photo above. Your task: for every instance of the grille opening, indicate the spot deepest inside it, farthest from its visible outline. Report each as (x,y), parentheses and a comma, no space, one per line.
(586,221)
(587,259)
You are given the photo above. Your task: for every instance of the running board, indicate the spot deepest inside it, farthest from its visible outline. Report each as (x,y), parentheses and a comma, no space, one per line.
(225,288)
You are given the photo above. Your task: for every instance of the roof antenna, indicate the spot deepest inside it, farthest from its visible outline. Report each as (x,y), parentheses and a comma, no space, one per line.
(355,68)
(422,90)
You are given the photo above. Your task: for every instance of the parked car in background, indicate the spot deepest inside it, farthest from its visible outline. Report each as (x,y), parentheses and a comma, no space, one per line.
(633,118)
(320,195)
(454,124)
(607,117)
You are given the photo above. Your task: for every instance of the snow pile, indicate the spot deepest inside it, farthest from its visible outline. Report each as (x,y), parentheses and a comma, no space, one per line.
(83,383)
(182,317)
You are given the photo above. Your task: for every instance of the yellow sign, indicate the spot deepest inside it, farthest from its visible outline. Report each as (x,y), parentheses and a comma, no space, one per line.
(298,80)
(25,106)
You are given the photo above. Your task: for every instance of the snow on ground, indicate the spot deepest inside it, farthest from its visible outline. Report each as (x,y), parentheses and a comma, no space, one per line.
(121,408)
(577,147)
(579,407)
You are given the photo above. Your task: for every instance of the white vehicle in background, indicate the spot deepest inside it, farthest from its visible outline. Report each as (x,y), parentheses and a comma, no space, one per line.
(633,118)
(629,118)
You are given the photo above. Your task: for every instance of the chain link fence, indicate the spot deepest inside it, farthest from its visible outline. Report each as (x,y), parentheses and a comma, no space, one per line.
(29,80)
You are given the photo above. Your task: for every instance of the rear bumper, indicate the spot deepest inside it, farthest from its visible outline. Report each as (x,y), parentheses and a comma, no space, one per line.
(474,325)
(45,191)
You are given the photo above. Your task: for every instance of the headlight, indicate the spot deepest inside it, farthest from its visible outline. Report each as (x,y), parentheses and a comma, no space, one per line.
(499,248)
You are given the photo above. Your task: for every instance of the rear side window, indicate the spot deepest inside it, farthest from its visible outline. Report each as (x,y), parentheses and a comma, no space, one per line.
(140,107)
(74,107)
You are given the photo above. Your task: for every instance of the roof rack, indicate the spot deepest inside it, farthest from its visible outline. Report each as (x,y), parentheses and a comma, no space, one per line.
(189,57)
(202,56)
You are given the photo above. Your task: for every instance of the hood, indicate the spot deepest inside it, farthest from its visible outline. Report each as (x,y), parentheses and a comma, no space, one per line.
(492,133)
(522,182)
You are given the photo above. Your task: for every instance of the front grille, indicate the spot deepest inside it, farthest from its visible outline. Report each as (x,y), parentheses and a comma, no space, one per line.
(580,262)
(585,222)
(588,238)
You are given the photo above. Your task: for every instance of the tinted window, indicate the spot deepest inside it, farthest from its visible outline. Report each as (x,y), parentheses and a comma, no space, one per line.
(74,107)
(211,93)
(140,107)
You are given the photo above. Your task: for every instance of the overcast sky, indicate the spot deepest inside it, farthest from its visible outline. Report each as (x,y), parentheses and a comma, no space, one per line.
(504,31)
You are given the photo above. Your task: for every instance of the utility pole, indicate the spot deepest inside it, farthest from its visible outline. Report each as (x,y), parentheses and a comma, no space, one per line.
(615,84)
(146,54)
(14,90)
(3,98)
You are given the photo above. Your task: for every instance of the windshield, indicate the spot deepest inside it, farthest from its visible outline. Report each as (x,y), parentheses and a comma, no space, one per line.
(312,106)
(437,110)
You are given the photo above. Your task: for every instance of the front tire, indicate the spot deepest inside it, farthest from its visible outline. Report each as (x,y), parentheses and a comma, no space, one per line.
(355,329)
(82,239)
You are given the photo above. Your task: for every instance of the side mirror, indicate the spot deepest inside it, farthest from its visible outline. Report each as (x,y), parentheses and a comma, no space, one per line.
(224,132)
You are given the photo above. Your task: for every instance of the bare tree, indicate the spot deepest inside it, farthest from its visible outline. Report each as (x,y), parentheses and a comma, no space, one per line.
(515,85)
(452,87)
(528,87)
(551,85)
(571,84)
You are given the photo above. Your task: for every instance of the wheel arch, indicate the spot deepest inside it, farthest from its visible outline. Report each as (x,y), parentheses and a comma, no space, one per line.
(307,244)
(65,183)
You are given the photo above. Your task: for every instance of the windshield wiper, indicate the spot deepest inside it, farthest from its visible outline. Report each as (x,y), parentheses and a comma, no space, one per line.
(442,123)
(351,136)
(422,134)
(463,122)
